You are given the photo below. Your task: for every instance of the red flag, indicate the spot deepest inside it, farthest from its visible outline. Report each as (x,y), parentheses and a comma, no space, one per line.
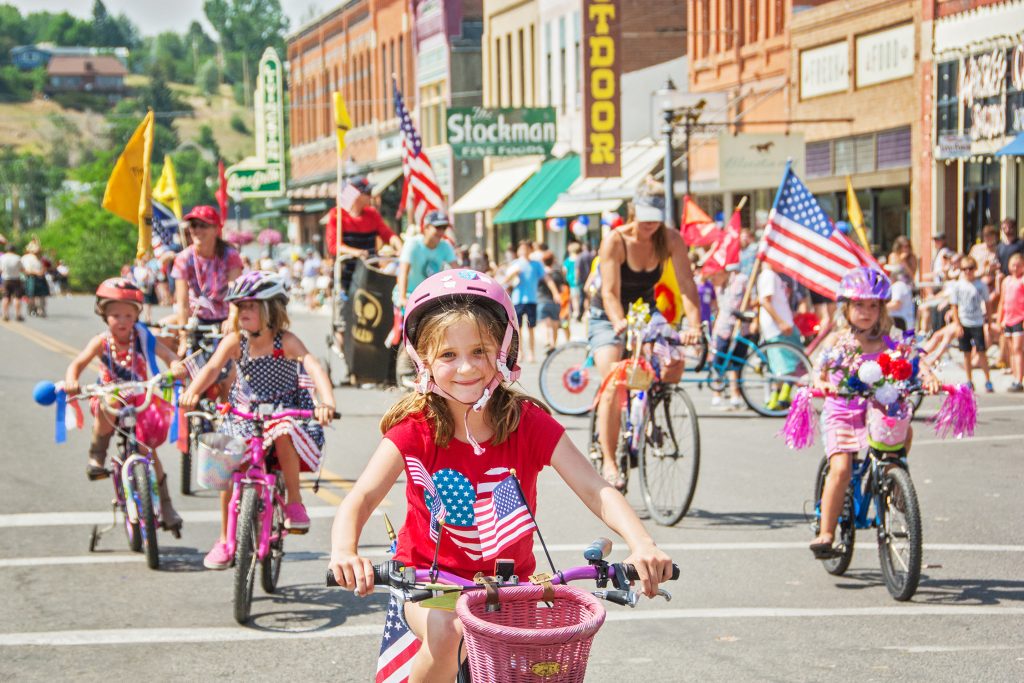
(727,250)
(697,227)
(222,192)
(802,242)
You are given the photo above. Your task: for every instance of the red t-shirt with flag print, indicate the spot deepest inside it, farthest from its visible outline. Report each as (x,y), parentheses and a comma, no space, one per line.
(461,478)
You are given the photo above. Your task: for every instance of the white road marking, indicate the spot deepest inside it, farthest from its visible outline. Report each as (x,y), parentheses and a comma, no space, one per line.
(34,519)
(967,439)
(1000,409)
(225,635)
(381,551)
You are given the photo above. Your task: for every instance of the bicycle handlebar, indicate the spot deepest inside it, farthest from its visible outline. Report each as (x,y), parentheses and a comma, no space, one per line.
(211,410)
(91,390)
(818,393)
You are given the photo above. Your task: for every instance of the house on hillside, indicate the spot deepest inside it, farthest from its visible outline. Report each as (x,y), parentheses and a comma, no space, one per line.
(28,57)
(101,75)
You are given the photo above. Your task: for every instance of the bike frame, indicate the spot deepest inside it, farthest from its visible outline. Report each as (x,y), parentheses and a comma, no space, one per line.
(865,491)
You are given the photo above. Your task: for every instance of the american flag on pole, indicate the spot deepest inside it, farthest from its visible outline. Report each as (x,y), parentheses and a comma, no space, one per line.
(420,188)
(398,645)
(503,518)
(165,229)
(800,240)
(418,475)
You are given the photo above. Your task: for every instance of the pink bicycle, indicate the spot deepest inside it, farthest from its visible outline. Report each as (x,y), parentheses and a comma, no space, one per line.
(529,631)
(256,530)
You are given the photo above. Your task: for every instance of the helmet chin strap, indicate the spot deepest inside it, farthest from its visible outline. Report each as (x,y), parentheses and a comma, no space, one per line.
(426,384)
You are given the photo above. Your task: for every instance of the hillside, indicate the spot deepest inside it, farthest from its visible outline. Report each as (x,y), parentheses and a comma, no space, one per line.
(38,125)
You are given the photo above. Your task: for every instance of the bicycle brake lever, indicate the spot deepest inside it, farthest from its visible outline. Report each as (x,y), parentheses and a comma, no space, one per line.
(665,594)
(625,598)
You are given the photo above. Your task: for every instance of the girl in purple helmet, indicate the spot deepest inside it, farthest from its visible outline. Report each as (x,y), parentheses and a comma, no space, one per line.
(861,334)
(463,433)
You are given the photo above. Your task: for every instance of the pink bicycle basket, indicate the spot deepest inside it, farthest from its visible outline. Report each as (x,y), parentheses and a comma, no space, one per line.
(528,641)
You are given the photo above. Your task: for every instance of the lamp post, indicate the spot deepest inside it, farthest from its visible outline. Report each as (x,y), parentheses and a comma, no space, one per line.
(673,104)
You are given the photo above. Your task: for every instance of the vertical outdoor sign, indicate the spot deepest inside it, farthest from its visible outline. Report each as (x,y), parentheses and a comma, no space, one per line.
(262,175)
(601,107)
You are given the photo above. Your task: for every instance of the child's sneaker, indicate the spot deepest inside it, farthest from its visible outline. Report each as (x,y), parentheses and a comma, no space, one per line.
(735,403)
(295,518)
(1015,388)
(716,402)
(989,388)
(218,557)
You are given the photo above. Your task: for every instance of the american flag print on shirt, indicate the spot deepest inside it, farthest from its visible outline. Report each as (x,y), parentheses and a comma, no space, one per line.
(420,188)
(398,646)
(503,518)
(800,240)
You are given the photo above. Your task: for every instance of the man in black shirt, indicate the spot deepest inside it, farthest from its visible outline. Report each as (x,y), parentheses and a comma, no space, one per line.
(1010,243)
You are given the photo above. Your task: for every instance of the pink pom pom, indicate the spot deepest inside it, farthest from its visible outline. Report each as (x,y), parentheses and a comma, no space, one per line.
(959,413)
(800,422)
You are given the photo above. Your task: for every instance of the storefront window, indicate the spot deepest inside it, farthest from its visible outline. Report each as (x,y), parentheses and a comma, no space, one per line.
(946,105)
(981,198)
(892,210)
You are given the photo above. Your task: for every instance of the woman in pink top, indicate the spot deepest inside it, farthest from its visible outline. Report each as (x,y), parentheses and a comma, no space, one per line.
(1011,317)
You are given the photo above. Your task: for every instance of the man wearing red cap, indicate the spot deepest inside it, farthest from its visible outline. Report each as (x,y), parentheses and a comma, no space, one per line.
(361,225)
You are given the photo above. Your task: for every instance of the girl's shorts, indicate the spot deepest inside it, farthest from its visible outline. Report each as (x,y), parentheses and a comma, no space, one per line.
(548,311)
(600,332)
(1014,330)
(843,426)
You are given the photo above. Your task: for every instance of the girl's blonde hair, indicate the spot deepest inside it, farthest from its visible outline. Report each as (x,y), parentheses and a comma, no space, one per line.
(273,315)
(504,408)
(881,326)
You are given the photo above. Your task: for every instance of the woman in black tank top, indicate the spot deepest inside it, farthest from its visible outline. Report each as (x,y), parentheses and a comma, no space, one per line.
(632,258)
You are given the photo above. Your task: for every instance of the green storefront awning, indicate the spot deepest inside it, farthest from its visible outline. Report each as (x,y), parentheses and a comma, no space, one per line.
(538,193)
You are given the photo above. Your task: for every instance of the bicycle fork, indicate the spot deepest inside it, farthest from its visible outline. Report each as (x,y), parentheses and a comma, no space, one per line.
(130,506)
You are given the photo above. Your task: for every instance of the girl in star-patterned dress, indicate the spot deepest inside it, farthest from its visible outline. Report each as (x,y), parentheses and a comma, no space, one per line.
(273,368)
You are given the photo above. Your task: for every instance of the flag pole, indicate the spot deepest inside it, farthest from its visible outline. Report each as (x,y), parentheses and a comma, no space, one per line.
(750,283)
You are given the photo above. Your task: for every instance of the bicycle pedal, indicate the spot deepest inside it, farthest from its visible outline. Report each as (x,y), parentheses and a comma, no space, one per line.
(298,532)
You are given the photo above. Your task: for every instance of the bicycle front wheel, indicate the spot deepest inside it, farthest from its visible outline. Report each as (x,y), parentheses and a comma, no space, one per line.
(246,542)
(270,567)
(143,495)
(899,534)
(196,426)
(771,375)
(845,528)
(670,461)
(569,379)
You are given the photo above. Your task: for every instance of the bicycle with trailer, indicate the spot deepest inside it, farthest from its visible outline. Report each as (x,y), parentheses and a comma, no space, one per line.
(659,434)
(200,343)
(255,529)
(136,502)
(881,493)
(513,631)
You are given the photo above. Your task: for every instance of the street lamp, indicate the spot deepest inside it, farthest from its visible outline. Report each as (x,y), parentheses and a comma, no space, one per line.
(673,104)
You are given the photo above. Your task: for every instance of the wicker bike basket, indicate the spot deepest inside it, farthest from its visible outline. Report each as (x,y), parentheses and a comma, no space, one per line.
(528,641)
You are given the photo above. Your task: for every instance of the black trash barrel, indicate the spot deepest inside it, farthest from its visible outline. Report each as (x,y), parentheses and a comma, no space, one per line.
(369,316)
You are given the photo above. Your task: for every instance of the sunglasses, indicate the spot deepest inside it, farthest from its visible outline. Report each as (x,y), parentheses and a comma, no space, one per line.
(969,268)
(199,225)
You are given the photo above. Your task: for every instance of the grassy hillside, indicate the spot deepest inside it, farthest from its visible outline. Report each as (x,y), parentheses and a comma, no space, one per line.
(39,125)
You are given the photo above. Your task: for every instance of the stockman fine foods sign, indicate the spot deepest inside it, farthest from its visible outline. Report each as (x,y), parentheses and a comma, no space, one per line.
(602,113)
(475,132)
(262,175)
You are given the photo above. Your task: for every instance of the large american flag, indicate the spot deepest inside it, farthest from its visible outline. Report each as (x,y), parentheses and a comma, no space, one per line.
(802,242)
(503,518)
(398,645)
(420,188)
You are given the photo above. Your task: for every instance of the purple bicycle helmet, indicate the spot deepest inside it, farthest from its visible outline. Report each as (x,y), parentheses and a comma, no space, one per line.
(256,286)
(863,284)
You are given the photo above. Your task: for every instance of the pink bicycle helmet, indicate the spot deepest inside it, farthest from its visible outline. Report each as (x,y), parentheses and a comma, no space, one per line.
(862,284)
(117,289)
(455,285)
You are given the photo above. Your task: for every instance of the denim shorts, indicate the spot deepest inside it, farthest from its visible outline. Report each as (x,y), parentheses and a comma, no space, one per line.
(600,332)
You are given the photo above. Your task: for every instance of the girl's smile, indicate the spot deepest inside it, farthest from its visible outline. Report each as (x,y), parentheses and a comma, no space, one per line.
(464,364)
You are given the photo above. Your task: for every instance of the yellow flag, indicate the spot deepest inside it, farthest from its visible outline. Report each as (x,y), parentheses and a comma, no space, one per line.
(667,295)
(342,123)
(166,189)
(856,216)
(128,193)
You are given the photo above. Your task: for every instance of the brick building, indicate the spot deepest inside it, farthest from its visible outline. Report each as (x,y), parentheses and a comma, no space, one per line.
(858,60)
(353,49)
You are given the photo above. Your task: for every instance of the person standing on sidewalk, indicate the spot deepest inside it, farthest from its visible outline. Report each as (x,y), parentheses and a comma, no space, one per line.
(969,308)
(527,274)
(13,288)
(775,320)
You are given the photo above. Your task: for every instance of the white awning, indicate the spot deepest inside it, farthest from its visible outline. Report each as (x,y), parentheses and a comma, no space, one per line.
(381,179)
(588,196)
(492,191)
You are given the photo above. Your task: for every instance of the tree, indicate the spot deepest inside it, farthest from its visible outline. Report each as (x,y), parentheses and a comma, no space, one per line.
(13,32)
(107,31)
(92,241)
(246,28)
(208,77)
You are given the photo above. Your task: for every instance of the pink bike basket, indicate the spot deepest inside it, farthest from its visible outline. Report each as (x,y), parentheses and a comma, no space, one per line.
(527,641)
(888,433)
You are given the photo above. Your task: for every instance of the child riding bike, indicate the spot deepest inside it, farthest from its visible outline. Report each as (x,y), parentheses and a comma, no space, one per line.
(127,352)
(462,432)
(271,362)
(861,336)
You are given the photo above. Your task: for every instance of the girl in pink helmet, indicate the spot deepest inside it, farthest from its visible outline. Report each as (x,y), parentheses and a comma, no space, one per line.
(862,334)
(456,437)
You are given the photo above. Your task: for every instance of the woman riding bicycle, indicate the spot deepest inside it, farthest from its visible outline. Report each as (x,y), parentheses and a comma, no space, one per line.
(202,272)
(631,261)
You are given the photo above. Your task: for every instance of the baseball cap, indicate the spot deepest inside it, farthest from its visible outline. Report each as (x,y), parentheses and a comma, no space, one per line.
(649,208)
(361,184)
(204,213)
(438,219)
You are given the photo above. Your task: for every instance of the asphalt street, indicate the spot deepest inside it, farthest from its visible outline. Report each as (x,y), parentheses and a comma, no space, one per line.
(751,604)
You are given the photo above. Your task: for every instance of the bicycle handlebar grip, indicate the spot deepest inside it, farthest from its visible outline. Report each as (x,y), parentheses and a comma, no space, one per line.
(331,581)
(598,550)
(382,574)
(632,575)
